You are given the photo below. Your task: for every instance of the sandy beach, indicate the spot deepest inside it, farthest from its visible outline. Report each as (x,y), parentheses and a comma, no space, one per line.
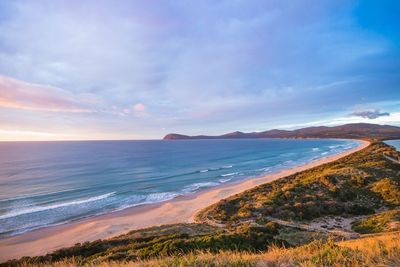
(179,210)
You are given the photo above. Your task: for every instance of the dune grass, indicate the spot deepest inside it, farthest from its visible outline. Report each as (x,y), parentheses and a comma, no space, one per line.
(378,250)
(386,221)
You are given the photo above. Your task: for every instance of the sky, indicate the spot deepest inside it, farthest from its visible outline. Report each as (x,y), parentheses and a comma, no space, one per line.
(77,70)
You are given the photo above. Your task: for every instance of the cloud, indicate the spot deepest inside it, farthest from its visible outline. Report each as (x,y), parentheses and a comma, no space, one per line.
(370,114)
(213,65)
(22,95)
(140,110)
(139,107)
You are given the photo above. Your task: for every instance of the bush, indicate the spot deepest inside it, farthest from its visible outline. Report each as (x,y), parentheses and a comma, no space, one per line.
(388,189)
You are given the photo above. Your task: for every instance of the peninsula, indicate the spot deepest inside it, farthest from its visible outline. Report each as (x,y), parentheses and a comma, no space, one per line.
(347,131)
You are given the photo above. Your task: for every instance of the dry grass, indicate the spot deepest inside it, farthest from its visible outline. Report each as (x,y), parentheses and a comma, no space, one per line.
(379,250)
(192,259)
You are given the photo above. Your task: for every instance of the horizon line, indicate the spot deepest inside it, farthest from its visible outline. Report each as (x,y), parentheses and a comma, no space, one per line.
(172,133)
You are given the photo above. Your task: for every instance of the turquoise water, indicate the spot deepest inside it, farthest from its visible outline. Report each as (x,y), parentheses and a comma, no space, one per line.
(50,183)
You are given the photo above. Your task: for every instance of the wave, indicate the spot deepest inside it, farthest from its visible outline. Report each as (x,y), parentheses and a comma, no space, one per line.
(229,174)
(224,180)
(216,168)
(137,200)
(47,194)
(159,197)
(196,186)
(141,200)
(315,149)
(265,169)
(23,211)
(226,167)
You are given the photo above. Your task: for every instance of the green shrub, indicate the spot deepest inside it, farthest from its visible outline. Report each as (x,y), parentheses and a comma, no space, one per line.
(381,222)
(388,189)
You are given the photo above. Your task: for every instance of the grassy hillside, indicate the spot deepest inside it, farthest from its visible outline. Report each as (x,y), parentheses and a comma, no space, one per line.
(165,240)
(381,250)
(355,185)
(386,221)
(265,219)
(372,251)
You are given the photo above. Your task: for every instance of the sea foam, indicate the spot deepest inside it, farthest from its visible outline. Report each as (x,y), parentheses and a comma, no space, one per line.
(15,213)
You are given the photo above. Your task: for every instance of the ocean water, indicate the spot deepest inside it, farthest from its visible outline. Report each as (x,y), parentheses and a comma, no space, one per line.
(51,183)
(395,143)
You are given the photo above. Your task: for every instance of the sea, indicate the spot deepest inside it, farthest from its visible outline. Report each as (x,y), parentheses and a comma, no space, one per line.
(51,183)
(395,143)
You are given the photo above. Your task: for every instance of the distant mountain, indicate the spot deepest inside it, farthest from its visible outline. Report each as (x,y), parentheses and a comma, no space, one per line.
(347,131)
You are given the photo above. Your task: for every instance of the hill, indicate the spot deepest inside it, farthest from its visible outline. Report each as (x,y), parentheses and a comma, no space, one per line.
(358,184)
(347,131)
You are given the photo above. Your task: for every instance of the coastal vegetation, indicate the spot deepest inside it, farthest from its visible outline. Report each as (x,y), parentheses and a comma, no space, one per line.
(165,240)
(386,221)
(371,251)
(357,184)
(272,224)
(379,250)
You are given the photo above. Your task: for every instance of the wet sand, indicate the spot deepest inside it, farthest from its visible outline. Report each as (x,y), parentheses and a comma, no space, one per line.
(179,210)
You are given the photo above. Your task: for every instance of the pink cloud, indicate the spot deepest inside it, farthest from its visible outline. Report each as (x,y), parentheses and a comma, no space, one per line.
(139,107)
(140,110)
(22,95)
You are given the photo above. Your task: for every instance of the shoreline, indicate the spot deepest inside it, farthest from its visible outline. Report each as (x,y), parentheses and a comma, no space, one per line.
(181,209)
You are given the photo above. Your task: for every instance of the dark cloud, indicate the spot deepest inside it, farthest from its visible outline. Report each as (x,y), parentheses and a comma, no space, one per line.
(370,114)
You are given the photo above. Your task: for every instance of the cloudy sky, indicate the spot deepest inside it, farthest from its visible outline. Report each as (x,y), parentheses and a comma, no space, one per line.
(142,69)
